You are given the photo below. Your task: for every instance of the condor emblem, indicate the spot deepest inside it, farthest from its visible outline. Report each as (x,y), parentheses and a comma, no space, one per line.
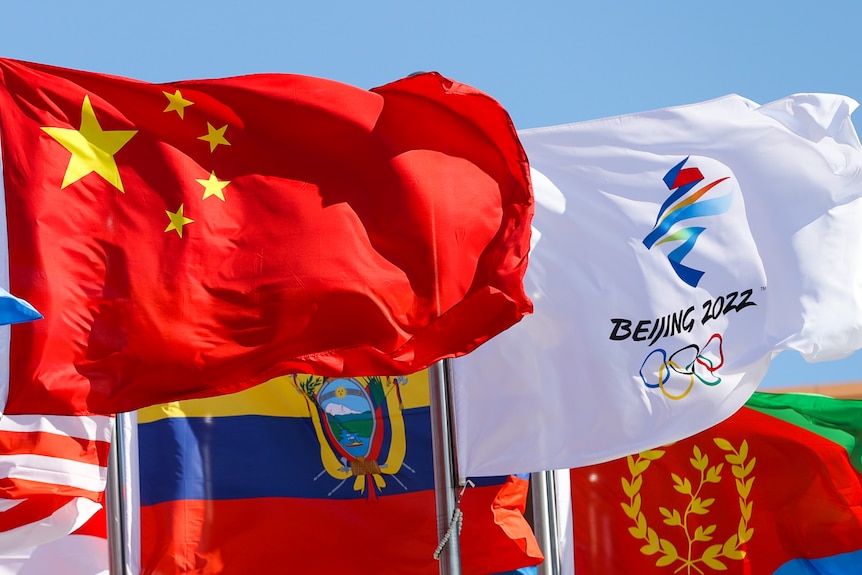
(359,426)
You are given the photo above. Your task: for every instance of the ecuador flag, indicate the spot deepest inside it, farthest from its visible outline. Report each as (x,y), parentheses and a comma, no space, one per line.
(307,474)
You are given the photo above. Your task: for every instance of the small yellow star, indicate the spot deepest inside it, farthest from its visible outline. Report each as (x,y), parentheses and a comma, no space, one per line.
(213,186)
(92,148)
(178,220)
(215,136)
(176,103)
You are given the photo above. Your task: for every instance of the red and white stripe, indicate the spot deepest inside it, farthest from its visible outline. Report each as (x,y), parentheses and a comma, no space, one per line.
(64,455)
(53,473)
(84,552)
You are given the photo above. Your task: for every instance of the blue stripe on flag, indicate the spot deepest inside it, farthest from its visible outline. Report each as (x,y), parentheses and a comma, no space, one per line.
(842,564)
(522,571)
(253,456)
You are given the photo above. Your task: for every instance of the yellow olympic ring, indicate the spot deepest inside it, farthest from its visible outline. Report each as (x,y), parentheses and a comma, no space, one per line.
(661,384)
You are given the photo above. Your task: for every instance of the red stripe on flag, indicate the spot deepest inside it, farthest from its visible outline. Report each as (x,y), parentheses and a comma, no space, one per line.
(54,445)
(97,525)
(31,510)
(14,488)
(43,474)
(394,534)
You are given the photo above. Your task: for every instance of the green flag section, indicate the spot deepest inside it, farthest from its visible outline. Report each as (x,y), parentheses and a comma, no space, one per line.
(838,420)
(774,489)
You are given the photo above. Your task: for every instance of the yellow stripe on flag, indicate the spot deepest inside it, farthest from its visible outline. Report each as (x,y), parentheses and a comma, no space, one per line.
(277,397)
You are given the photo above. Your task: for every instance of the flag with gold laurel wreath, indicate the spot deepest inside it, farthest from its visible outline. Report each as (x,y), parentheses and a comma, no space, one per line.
(774,489)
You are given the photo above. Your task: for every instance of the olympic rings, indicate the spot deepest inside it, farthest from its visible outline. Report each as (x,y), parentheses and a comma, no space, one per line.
(707,374)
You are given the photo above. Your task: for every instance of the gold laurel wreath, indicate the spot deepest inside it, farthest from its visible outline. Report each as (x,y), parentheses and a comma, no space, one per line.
(697,505)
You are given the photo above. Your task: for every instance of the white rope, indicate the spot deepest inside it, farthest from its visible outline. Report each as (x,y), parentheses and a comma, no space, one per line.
(456,521)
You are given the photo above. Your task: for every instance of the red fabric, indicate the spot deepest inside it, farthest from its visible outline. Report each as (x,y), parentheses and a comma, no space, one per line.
(85,450)
(38,508)
(396,534)
(508,510)
(97,525)
(347,232)
(803,498)
(17,488)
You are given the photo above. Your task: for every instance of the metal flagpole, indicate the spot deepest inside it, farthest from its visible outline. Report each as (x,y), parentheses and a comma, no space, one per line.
(546,523)
(445,480)
(115,501)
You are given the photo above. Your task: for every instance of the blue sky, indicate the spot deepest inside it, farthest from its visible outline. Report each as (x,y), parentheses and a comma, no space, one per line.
(548,62)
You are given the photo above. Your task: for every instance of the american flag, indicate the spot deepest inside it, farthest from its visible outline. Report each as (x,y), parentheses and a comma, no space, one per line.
(53,473)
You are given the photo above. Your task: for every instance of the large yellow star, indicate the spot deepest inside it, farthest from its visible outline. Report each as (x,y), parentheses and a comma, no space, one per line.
(213,186)
(176,103)
(215,136)
(92,148)
(178,220)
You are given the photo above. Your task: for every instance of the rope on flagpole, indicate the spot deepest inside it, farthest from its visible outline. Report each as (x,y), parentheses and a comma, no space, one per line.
(456,521)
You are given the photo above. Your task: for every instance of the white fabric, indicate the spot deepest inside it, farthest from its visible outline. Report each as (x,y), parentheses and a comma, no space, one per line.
(54,470)
(66,519)
(93,427)
(774,258)
(70,555)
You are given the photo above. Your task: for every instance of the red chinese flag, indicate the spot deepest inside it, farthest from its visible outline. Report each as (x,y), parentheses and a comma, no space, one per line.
(196,238)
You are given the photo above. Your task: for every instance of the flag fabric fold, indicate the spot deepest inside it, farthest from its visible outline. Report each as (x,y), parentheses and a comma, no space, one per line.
(82,552)
(675,252)
(305,474)
(199,237)
(775,489)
